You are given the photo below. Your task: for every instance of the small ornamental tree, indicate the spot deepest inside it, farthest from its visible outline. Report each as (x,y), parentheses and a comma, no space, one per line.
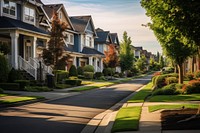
(73,71)
(111,60)
(54,52)
(126,53)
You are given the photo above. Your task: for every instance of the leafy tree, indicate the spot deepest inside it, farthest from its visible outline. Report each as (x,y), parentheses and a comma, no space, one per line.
(54,52)
(4,70)
(126,53)
(5,49)
(161,62)
(141,63)
(175,44)
(111,59)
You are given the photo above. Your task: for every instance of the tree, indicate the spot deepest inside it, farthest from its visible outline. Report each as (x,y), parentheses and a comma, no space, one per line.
(126,53)
(4,70)
(111,59)
(175,44)
(141,63)
(54,52)
(161,62)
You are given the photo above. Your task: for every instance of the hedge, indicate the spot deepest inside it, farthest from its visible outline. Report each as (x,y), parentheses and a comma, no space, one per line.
(22,83)
(74,82)
(10,86)
(88,75)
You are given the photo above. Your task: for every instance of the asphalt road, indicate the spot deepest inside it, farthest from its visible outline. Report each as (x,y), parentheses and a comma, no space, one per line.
(66,115)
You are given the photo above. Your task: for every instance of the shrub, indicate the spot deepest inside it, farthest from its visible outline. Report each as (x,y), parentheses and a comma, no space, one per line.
(88,75)
(116,75)
(154,80)
(10,86)
(197,74)
(81,76)
(170,80)
(121,75)
(80,70)
(3,69)
(74,82)
(60,75)
(14,75)
(37,88)
(129,74)
(22,83)
(157,73)
(192,87)
(160,81)
(97,75)
(108,71)
(73,71)
(167,90)
(1,90)
(189,76)
(73,77)
(88,68)
(102,78)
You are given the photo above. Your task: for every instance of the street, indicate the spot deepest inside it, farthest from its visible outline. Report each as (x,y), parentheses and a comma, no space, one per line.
(65,115)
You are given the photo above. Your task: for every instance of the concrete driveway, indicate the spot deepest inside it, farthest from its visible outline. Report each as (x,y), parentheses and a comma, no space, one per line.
(65,115)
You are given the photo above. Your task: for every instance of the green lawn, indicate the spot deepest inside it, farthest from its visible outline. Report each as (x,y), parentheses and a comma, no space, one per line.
(142,94)
(159,107)
(127,119)
(2,95)
(172,98)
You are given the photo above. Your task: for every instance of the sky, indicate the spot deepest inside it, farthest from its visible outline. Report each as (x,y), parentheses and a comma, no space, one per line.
(115,16)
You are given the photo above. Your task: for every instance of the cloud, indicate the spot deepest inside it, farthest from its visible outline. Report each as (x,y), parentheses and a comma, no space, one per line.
(115,16)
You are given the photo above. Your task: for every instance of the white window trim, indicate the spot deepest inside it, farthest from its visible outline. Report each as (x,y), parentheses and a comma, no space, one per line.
(24,15)
(87,44)
(8,15)
(69,41)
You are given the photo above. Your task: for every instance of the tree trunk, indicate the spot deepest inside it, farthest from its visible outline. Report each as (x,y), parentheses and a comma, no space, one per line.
(180,72)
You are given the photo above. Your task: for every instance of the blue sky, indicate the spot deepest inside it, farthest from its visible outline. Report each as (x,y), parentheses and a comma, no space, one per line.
(115,16)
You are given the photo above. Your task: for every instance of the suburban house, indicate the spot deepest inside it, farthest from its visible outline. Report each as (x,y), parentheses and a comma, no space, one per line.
(192,64)
(137,52)
(23,25)
(84,43)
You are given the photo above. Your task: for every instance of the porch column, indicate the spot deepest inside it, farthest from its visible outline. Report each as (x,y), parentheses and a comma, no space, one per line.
(101,64)
(91,61)
(95,65)
(34,46)
(74,61)
(14,49)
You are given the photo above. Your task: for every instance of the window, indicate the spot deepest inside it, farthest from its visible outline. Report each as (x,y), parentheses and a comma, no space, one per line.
(29,14)
(70,38)
(89,41)
(9,8)
(60,15)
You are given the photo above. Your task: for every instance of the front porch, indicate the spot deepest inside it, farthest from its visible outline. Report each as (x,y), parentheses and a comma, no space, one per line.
(23,49)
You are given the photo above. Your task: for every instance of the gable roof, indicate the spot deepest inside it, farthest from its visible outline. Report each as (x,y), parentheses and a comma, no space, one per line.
(139,48)
(102,36)
(80,23)
(9,23)
(39,1)
(114,38)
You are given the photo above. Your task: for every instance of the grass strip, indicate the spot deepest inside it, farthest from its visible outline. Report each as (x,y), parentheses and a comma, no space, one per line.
(159,107)
(3,95)
(142,94)
(127,119)
(172,98)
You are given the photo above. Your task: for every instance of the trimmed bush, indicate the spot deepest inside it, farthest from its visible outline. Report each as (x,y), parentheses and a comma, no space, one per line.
(73,71)
(192,87)
(88,68)
(197,74)
(81,76)
(88,75)
(74,82)
(116,75)
(97,75)
(14,75)
(37,88)
(160,81)
(102,78)
(170,80)
(60,75)
(167,90)
(10,86)
(189,76)
(3,69)
(80,70)
(22,83)
(154,80)
(108,71)
(73,77)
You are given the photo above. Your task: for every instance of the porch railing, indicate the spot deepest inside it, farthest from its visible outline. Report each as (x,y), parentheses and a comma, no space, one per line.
(25,65)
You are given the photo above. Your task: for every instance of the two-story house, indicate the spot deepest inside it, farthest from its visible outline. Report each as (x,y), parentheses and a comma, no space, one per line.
(84,43)
(22,26)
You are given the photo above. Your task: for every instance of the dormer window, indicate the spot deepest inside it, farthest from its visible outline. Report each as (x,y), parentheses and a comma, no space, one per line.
(29,15)
(9,8)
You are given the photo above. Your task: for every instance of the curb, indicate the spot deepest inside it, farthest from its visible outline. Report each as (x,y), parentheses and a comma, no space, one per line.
(102,123)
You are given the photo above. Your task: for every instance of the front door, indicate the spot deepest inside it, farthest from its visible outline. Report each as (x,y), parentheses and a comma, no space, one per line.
(28,50)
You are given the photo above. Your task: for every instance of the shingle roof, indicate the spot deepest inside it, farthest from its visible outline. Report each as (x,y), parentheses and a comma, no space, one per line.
(69,48)
(101,36)
(39,1)
(91,51)
(80,22)
(6,22)
(50,8)
(139,48)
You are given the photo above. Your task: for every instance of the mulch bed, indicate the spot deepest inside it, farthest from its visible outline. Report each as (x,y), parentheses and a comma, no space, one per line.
(170,120)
